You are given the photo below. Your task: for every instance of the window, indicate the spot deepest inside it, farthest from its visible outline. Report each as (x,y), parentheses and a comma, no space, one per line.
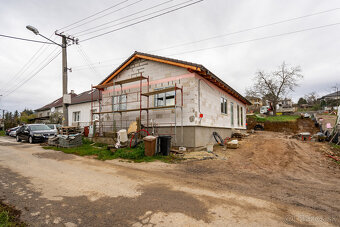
(224,106)
(238,115)
(76,116)
(242,116)
(165,99)
(232,114)
(119,102)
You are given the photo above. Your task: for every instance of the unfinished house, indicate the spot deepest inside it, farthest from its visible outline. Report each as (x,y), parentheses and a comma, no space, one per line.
(170,97)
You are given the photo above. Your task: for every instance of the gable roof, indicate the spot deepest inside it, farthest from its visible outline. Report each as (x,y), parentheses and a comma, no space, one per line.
(190,66)
(75,99)
(334,94)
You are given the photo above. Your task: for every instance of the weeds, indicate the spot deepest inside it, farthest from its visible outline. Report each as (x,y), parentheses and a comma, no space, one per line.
(2,133)
(100,150)
(9,217)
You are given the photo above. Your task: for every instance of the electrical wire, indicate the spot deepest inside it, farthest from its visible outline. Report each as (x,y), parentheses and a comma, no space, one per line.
(134,3)
(28,64)
(24,39)
(93,14)
(32,76)
(101,29)
(257,39)
(246,30)
(147,19)
(245,41)
(87,60)
(132,14)
(227,34)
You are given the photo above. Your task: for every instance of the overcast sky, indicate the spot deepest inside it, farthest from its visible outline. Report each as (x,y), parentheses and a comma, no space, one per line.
(316,51)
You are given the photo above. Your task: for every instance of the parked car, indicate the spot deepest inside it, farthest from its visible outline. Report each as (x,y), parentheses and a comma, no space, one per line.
(54,127)
(12,131)
(34,133)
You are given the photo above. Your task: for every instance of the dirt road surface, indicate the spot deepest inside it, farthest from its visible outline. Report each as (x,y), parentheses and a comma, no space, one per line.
(270,181)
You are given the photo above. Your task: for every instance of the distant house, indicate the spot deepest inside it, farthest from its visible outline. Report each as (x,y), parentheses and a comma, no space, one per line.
(331,96)
(256,104)
(79,111)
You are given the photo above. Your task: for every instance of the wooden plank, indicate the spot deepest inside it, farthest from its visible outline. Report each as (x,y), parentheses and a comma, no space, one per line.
(130,80)
(170,62)
(160,91)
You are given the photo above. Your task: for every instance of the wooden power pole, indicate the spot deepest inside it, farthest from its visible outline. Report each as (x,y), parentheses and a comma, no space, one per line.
(66,97)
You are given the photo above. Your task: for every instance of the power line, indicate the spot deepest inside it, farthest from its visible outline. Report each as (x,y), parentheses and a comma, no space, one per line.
(93,14)
(257,39)
(134,3)
(134,18)
(28,64)
(138,22)
(133,14)
(247,29)
(245,41)
(46,64)
(24,39)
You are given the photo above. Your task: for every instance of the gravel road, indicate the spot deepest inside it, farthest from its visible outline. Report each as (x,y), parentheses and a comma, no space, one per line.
(270,181)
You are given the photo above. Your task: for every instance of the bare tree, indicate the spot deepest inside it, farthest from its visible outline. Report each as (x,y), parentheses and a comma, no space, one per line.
(311,98)
(275,85)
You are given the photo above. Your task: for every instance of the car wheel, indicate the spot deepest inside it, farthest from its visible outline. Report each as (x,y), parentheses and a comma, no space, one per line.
(18,139)
(30,139)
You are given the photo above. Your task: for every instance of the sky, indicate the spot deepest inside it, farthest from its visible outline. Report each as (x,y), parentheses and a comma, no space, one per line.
(234,55)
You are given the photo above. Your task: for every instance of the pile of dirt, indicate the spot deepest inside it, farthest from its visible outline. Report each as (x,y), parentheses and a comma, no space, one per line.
(300,125)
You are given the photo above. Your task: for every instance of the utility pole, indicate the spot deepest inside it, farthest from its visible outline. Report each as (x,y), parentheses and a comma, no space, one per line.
(65,38)
(66,96)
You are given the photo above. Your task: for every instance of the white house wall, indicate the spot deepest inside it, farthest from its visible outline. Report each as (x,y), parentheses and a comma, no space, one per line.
(165,75)
(85,113)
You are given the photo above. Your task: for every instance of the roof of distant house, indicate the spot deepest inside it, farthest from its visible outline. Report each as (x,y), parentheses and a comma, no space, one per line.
(334,94)
(83,97)
(192,67)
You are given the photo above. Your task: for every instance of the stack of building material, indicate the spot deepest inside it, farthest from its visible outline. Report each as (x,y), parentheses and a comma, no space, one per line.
(54,141)
(73,140)
(69,130)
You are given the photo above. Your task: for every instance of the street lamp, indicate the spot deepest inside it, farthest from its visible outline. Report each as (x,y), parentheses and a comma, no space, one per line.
(66,96)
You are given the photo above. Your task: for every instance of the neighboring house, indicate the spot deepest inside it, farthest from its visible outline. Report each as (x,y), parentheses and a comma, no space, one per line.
(256,104)
(285,103)
(79,111)
(209,104)
(331,96)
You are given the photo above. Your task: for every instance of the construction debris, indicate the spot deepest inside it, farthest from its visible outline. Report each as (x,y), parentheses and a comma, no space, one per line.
(233,144)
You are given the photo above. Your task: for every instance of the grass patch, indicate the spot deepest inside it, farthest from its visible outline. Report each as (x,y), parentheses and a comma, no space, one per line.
(102,153)
(9,217)
(278,118)
(2,133)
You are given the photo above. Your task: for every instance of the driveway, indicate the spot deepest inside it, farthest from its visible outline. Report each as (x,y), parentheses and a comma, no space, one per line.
(270,181)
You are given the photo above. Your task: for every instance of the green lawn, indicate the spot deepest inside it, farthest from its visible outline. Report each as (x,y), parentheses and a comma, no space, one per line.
(102,153)
(278,118)
(2,133)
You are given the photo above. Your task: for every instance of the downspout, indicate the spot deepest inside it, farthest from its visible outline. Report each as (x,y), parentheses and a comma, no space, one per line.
(199,99)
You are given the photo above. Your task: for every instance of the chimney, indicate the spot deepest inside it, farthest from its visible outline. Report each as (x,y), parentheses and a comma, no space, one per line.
(72,92)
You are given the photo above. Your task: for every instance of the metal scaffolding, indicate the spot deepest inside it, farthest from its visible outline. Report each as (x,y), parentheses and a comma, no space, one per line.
(146,93)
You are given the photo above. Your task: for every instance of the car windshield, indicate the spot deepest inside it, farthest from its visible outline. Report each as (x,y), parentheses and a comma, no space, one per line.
(39,127)
(51,126)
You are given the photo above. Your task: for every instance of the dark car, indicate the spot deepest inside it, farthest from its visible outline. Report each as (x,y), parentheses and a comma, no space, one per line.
(34,133)
(8,131)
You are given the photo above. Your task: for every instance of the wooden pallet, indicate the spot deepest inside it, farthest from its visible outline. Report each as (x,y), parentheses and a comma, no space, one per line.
(69,130)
